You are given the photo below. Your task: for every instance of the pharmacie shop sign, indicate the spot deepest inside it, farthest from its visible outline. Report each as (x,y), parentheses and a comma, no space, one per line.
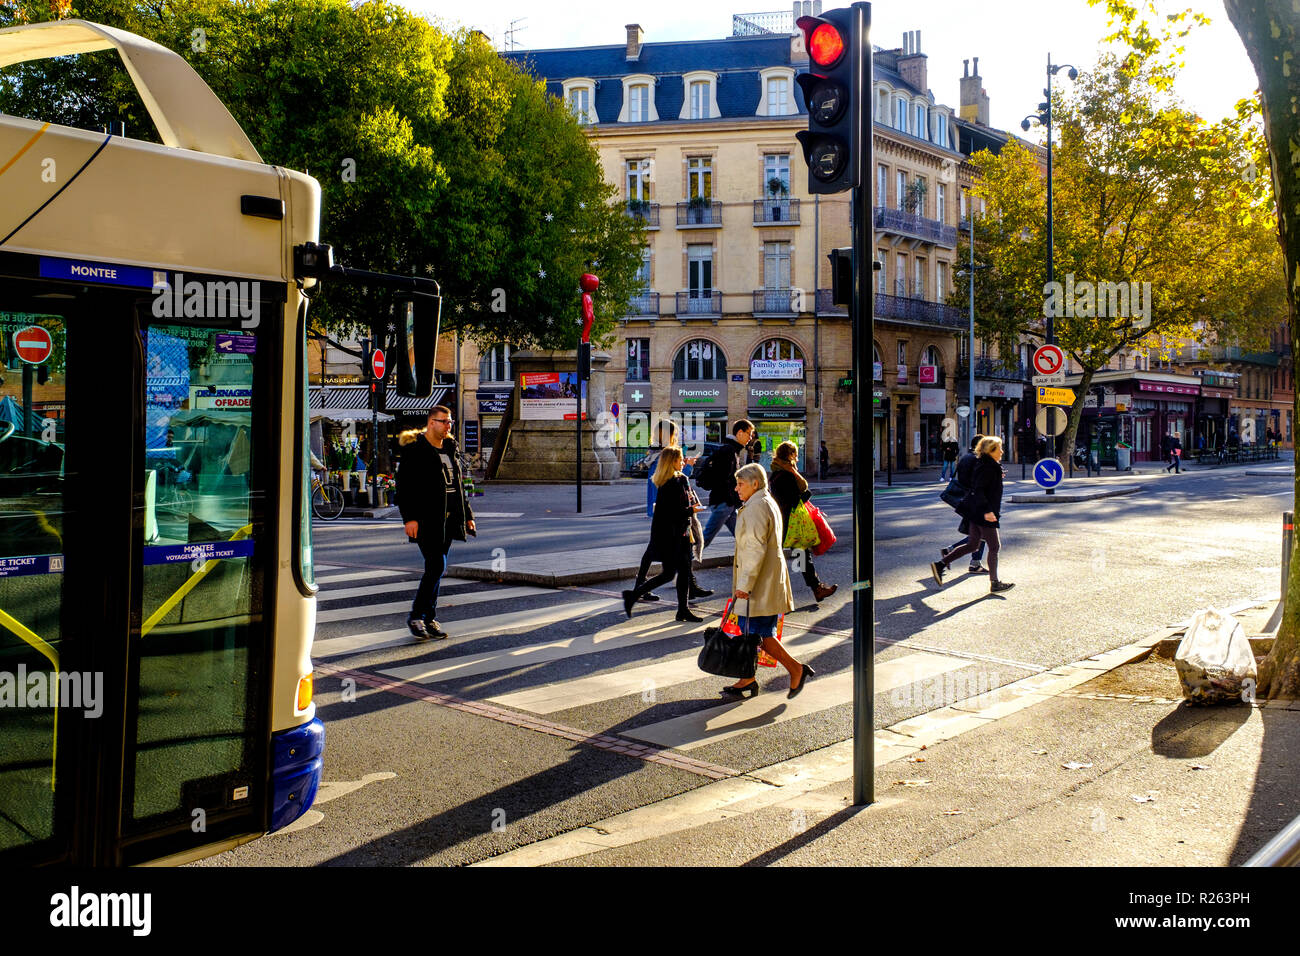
(777,396)
(695,394)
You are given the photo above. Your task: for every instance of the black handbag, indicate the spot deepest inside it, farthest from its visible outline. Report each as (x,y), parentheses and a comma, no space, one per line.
(969,506)
(953,494)
(726,655)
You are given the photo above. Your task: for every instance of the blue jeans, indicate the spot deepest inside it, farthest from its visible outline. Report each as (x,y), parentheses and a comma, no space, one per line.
(948,471)
(435,563)
(651,492)
(718,516)
(758,625)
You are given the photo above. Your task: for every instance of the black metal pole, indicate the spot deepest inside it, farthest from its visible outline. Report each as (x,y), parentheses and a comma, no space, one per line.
(578,452)
(864,738)
(1051,264)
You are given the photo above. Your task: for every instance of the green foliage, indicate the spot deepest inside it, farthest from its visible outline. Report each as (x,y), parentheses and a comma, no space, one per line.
(435,156)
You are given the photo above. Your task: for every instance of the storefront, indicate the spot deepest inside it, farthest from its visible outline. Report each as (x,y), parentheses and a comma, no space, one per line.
(700,408)
(1162,408)
(934,408)
(481,433)
(779,411)
(1210,428)
(879,426)
(996,409)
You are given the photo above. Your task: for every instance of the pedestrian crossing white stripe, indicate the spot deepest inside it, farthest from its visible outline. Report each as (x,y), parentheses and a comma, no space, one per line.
(497,514)
(581,691)
(327,579)
(624,634)
(731,720)
(470,627)
(393,587)
(356,612)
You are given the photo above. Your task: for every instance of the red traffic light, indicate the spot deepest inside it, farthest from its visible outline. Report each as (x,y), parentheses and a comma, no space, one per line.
(825,45)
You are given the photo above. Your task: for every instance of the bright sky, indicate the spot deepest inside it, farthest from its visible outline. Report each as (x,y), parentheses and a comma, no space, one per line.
(1011,37)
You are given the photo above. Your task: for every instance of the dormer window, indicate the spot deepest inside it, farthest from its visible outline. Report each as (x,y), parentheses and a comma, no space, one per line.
(777,97)
(638,100)
(941,130)
(900,114)
(701,96)
(580,95)
(919,125)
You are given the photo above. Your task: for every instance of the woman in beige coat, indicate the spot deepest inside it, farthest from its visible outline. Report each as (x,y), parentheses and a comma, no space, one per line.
(759,578)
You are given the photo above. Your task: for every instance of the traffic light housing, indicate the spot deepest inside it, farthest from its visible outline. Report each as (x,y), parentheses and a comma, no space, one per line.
(833,89)
(418,318)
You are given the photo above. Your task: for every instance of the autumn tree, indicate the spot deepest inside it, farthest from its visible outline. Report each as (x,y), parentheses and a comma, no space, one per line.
(1159,237)
(435,156)
(1270,30)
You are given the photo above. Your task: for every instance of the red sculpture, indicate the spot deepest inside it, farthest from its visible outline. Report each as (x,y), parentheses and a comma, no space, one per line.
(589,285)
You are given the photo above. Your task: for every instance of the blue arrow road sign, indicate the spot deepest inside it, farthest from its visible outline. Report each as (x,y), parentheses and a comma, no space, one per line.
(1048,473)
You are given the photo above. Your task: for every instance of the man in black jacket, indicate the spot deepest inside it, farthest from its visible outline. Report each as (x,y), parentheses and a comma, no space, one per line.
(434,508)
(966,478)
(723,465)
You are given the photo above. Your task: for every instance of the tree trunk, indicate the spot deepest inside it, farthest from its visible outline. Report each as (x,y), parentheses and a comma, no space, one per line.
(1076,414)
(1270,32)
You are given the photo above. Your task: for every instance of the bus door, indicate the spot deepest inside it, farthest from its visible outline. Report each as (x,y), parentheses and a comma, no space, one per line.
(136,468)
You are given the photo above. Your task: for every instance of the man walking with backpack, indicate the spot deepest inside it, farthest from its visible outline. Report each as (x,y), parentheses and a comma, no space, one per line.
(718,478)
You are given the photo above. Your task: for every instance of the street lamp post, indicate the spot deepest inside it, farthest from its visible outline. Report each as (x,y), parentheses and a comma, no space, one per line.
(1045,116)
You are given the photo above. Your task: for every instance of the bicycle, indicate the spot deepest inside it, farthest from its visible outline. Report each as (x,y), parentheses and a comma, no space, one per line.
(326,500)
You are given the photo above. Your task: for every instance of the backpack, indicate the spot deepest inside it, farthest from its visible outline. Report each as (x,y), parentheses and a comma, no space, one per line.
(703,472)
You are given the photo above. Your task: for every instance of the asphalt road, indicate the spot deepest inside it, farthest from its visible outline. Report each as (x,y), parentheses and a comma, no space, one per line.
(417,782)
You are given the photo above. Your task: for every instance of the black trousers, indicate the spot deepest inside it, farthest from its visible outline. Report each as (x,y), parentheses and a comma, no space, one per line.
(644,569)
(435,563)
(676,565)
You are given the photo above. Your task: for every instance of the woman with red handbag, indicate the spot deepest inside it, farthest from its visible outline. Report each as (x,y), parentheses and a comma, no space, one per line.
(759,577)
(789,488)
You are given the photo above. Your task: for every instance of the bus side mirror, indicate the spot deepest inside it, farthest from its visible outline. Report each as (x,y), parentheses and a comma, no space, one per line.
(418,317)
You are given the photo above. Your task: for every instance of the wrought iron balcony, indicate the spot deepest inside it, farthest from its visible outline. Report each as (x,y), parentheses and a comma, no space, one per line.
(775,301)
(1228,353)
(645,304)
(901,309)
(920,311)
(699,303)
(708,214)
(919,227)
(776,210)
(647,212)
(992,368)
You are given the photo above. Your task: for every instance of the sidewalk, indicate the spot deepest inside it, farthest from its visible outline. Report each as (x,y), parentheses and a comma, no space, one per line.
(1098,763)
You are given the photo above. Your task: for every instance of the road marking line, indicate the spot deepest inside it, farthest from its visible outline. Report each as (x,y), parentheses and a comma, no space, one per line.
(470,627)
(581,691)
(730,720)
(360,611)
(328,579)
(393,587)
(623,634)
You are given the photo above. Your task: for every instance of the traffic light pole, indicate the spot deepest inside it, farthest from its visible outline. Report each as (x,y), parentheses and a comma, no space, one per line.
(864,508)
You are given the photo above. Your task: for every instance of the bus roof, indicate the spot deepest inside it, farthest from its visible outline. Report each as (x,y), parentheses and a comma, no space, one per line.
(187,113)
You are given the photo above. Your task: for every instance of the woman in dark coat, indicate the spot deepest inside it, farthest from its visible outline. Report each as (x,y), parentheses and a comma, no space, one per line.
(986,494)
(788,488)
(670,533)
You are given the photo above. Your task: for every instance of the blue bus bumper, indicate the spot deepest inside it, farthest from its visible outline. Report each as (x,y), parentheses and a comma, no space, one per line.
(295,771)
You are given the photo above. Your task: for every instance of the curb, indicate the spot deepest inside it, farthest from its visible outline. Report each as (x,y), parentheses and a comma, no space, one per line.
(1046,499)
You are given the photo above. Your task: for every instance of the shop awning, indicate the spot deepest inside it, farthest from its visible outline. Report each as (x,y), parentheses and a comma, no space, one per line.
(346,403)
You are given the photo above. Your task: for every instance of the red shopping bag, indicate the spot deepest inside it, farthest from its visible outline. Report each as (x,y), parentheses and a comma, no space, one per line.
(825,536)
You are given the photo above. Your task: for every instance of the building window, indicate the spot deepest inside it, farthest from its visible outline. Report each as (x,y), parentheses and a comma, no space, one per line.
(580,104)
(778,96)
(941,283)
(700,99)
(638,360)
(902,353)
(643,271)
(494,366)
(900,115)
(699,271)
(638,103)
(900,276)
(778,350)
(901,181)
(699,360)
(961,197)
(932,357)
(941,202)
(882,106)
(941,130)
(776,166)
(882,185)
(1123,362)
(699,174)
(638,179)
(919,124)
(776,265)
(918,284)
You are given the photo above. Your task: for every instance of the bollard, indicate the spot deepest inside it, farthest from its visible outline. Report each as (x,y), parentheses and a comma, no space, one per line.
(1288,540)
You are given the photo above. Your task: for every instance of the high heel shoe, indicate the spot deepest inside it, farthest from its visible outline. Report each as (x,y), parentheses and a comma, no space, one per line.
(749,689)
(688,616)
(803,681)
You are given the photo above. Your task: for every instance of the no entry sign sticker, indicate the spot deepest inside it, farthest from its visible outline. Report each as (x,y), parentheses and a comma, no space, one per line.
(33,344)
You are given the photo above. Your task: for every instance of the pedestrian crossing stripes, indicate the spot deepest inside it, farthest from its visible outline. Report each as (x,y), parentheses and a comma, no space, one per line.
(669,646)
